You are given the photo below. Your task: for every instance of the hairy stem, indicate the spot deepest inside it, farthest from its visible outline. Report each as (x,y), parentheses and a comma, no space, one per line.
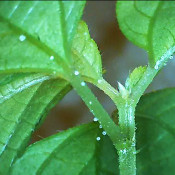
(127,119)
(127,160)
(126,148)
(108,90)
(96,108)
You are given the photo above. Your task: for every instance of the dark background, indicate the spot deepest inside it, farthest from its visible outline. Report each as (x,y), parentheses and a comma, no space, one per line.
(119,57)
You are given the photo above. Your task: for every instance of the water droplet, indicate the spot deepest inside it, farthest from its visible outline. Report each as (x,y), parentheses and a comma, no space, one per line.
(76,72)
(98,138)
(171,57)
(95,119)
(83,83)
(90,102)
(99,81)
(104,133)
(134,152)
(133,144)
(22,37)
(51,57)
(123,151)
(100,126)
(156,67)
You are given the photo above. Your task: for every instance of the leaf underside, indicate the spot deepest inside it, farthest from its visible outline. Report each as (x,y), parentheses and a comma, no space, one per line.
(22,110)
(156,133)
(149,25)
(75,151)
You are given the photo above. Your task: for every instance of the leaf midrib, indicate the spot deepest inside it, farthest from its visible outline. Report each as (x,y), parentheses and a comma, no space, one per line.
(150,29)
(40,45)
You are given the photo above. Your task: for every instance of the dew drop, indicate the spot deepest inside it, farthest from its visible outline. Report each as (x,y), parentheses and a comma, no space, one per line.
(99,81)
(98,138)
(95,119)
(134,152)
(156,67)
(124,151)
(83,83)
(171,57)
(22,37)
(100,126)
(90,102)
(52,57)
(104,133)
(76,72)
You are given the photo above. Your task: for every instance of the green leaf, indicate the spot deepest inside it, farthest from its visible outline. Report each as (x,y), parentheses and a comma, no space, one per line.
(72,152)
(85,54)
(49,22)
(35,37)
(25,99)
(42,29)
(134,77)
(149,25)
(156,133)
(155,143)
(24,27)
(32,41)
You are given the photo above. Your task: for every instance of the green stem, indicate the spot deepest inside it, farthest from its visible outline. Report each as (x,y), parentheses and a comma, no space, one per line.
(127,119)
(143,83)
(96,108)
(127,160)
(126,148)
(108,90)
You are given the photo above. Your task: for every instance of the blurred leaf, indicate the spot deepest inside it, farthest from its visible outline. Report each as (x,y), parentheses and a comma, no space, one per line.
(150,25)
(72,152)
(156,133)
(25,100)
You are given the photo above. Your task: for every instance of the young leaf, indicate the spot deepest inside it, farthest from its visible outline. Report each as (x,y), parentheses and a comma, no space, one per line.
(134,77)
(85,52)
(75,151)
(156,133)
(150,25)
(25,100)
